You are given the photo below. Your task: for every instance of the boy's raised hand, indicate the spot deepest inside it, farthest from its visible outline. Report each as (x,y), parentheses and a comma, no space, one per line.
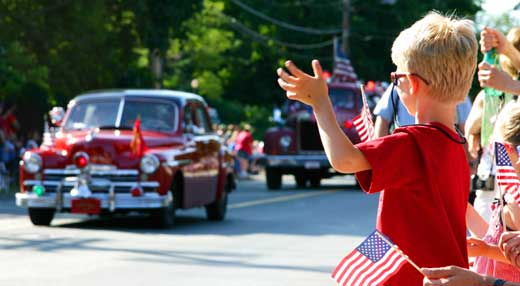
(311,90)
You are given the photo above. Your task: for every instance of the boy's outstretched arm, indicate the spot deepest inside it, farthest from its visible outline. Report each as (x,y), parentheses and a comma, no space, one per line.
(313,91)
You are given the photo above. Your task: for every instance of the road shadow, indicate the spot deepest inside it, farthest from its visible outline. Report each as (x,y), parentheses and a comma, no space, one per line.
(166,254)
(139,223)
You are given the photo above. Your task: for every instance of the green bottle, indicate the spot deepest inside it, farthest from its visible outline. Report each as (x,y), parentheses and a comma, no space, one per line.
(491,57)
(494,100)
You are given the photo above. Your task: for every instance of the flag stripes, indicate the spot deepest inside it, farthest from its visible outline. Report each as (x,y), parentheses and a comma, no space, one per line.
(364,123)
(506,176)
(343,73)
(370,264)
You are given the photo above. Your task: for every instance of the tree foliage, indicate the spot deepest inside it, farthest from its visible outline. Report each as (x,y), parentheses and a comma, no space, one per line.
(225,50)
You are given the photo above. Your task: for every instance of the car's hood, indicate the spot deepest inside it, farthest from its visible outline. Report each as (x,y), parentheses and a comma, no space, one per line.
(111,146)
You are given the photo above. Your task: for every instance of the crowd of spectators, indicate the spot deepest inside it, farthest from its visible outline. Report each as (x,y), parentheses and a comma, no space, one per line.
(12,144)
(245,150)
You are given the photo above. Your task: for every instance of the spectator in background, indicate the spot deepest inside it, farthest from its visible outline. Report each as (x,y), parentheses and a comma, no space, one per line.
(506,212)
(385,114)
(229,140)
(32,142)
(230,135)
(480,126)
(244,149)
(7,152)
(493,77)
(10,124)
(458,276)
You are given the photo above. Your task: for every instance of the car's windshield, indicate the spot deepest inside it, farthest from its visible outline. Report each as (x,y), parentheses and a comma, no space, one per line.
(344,98)
(86,115)
(155,116)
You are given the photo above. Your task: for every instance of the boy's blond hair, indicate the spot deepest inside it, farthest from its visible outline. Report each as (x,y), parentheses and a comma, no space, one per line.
(513,36)
(442,50)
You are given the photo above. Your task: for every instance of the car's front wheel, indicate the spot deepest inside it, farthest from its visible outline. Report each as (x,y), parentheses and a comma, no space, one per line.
(315,180)
(41,216)
(301,180)
(164,217)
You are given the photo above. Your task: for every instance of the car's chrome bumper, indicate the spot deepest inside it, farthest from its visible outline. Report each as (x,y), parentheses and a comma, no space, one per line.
(317,161)
(105,192)
(117,202)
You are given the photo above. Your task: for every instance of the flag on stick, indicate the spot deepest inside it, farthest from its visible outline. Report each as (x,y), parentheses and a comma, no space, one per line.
(137,145)
(506,176)
(343,75)
(363,121)
(374,261)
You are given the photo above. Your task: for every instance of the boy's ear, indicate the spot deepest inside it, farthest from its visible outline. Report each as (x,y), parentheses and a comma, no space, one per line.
(414,84)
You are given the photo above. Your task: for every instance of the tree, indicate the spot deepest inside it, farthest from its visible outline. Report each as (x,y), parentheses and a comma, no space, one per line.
(158,22)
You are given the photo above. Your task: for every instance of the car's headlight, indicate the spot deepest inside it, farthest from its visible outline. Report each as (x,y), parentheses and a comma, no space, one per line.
(32,162)
(149,164)
(285,141)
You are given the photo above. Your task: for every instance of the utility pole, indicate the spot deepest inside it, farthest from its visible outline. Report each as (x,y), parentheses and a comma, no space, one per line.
(156,62)
(346,27)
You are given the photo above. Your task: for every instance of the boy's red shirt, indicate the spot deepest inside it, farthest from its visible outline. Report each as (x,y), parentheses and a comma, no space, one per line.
(423,177)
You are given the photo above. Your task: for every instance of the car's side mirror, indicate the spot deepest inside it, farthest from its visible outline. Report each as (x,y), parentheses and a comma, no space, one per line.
(56,115)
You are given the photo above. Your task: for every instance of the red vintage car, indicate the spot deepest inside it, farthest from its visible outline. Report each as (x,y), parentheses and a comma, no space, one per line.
(100,161)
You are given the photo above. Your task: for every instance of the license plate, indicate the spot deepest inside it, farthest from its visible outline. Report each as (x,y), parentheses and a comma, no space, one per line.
(312,165)
(85,206)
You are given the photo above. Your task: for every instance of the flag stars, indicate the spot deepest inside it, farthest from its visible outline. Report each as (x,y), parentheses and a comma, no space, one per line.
(374,247)
(502,157)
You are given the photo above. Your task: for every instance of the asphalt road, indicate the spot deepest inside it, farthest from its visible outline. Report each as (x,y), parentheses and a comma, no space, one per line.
(287,237)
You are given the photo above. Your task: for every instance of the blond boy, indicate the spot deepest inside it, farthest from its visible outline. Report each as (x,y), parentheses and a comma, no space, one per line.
(420,170)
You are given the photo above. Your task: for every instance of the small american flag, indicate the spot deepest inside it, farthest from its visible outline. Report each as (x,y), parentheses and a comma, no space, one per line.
(507,178)
(137,144)
(363,121)
(343,74)
(370,264)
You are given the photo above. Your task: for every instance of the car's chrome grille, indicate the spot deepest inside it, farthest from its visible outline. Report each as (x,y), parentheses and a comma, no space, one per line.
(100,180)
(113,178)
(95,186)
(118,189)
(114,175)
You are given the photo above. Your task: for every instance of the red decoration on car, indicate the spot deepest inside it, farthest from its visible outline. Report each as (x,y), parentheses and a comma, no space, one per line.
(137,145)
(136,191)
(81,161)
